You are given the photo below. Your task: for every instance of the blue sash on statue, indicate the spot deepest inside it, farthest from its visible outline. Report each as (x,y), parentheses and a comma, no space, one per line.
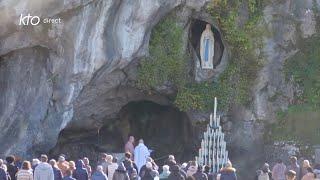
(206,51)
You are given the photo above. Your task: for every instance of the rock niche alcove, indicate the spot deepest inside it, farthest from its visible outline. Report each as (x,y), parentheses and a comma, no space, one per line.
(197,26)
(165,129)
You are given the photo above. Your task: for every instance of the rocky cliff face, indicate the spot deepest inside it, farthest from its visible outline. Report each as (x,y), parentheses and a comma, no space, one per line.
(79,73)
(54,74)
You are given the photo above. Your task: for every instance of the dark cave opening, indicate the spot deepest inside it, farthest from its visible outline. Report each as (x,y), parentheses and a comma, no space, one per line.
(196,29)
(164,128)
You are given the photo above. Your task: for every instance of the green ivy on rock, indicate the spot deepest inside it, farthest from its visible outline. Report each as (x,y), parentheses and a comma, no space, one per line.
(167,63)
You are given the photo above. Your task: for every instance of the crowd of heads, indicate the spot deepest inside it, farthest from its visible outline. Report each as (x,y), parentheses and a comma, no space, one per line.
(292,171)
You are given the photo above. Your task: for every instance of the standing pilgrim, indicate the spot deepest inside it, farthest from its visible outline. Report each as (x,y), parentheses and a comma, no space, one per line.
(129,147)
(141,153)
(207,48)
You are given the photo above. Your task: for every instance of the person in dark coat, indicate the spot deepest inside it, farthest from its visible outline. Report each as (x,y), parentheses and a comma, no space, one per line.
(56,171)
(99,174)
(68,175)
(175,173)
(121,173)
(3,174)
(207,172)
(199,175)
(228,173)
(149,173)
(294,166)
(81,172)
(129,164)
(11,167)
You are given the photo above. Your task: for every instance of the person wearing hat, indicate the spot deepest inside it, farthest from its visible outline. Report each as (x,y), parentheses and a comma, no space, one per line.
(44,170)
(63,165)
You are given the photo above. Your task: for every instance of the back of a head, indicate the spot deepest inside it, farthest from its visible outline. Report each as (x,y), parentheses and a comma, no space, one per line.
(171,158)
(200,168)
(10,159)
(149,159)
(207,168)
(53,163)
(175,169)
(68,172)
(279,161)
(35,162)
(293,159)
(72,164)
(61,159)
(86,160)
(44,158)
(309,169)
(115,160)
(184,165)
(109,158)
(165,168)
(149,165)
(127,155)
(265,167)
(229,164)
(306,163)
(104,155)
(291,174)
(141,141)
(99,168)
(26,165)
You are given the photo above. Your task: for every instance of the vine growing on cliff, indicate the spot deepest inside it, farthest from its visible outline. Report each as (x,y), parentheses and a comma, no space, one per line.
(166,63)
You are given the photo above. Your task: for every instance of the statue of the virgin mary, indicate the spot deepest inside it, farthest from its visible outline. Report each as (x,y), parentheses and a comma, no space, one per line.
(207,48)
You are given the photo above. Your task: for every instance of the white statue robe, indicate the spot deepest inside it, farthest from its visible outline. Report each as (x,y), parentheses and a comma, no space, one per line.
(141,153)
(207,49)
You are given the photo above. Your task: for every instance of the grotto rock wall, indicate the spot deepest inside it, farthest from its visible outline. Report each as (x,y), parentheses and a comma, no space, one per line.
(52,74)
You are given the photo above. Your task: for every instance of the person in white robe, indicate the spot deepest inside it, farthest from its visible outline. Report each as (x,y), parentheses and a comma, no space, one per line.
(141,153)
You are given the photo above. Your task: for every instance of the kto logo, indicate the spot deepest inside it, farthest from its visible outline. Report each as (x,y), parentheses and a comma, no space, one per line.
(26,20)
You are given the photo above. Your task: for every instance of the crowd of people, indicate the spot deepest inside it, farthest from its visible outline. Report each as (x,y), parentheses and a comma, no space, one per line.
(291,172)
(138,165)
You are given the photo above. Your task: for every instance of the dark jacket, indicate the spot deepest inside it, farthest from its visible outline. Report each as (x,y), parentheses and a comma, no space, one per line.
(175,173)
(81,172)
(228,174)
(3,174)
(68,178)
(12,170)
(296,168)
(129,165)
(147,175)
(99,176)
(57,173)
(199,175)
(120,173)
